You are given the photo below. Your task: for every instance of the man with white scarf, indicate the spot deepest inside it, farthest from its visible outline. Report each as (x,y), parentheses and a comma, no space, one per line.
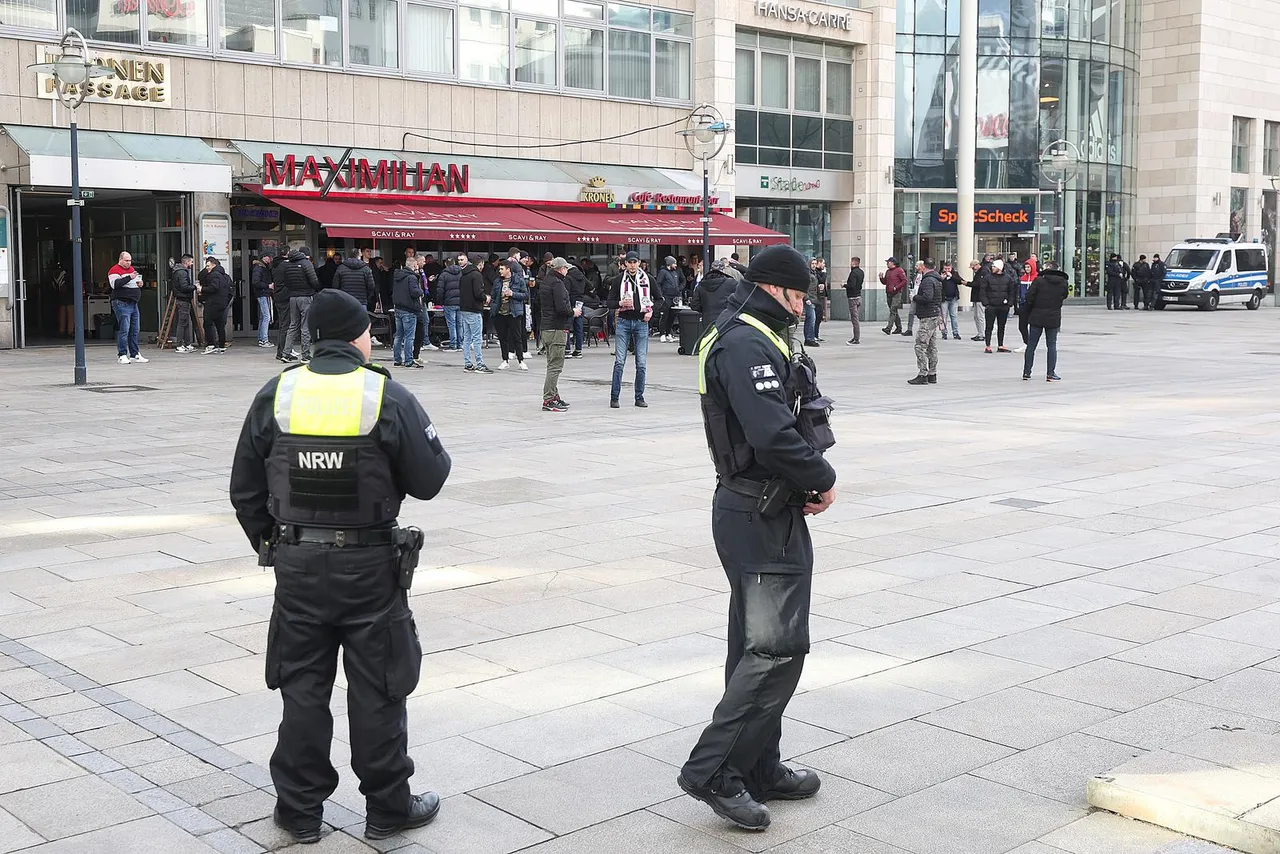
(630,297)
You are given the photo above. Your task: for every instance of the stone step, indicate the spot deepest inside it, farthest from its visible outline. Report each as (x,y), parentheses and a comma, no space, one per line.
(1222,785)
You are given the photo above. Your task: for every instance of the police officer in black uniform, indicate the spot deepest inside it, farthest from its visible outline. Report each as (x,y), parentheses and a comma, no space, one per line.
(767,426)
(327,454)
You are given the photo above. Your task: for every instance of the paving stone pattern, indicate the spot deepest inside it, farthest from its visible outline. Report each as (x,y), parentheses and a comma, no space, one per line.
(1021,585)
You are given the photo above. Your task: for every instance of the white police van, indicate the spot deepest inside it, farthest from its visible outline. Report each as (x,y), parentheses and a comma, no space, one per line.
(1212,271)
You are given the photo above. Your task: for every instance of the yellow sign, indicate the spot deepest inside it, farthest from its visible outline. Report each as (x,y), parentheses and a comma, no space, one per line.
(597,192)
(135,80)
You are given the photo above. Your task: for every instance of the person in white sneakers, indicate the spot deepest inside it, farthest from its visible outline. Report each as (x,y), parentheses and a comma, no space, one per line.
(506,307)
(183,287)
(126,289)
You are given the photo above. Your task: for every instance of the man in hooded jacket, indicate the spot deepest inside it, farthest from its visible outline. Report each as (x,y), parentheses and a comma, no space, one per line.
(711,294)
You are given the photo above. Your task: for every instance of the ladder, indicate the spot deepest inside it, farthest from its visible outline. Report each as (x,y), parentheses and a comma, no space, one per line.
(166,322)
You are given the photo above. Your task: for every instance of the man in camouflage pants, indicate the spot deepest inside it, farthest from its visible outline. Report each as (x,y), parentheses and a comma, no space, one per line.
(928,305)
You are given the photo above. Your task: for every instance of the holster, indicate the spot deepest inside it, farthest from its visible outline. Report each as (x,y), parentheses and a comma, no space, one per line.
(408,545)
(266,552)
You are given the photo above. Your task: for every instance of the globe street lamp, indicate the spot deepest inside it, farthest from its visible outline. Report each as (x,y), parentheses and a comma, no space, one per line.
(73,72)
(1059,163)
(705,136)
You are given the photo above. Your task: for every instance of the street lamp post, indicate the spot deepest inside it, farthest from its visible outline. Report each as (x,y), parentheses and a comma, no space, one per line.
(1058,163)
(705,138)
(72,72)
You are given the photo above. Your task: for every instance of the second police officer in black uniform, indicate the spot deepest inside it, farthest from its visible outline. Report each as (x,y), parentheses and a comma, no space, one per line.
(326,456)
(767,427)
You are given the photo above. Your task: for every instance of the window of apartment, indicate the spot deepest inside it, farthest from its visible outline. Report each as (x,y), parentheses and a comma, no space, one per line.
(248,27)
(1271,148)
(775,76)
(744,66)
(584,58)
(1241,131)
(673,66)
(184,23)
(630,60)
(105,22)
(535,52)
(374,32)
(429,40)
(483,45)
(32,14)
(839,88)
(312,31)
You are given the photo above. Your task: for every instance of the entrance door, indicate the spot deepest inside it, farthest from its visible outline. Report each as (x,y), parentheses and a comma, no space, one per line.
(245,249)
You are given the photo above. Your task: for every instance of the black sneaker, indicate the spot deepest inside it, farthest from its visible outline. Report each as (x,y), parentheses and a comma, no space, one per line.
(576,354)
(977,338)
(553,405)
(483,369)
(933,379)
(560,400)
(853,341)
(613,403)
(303,835)
(468,369)
(792,786)
(640,403)
(422,809)
(812,344)
(920,380)
(741,809)
(397,364)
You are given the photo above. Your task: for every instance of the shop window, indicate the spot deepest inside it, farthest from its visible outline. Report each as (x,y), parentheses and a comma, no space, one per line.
(839,88)
(806,159)
(775,157)
(1239,211)
(32,14)
(312,31)
(482,45)
(745,69)
(584,58)
(775,130)
(806,132)
(1271,148)
(629,62)
(104,21)
(429,45)
(839,162)
(185,23)
(839,136)
(745,155)
(673,66)
(808,90)
(535,53)
(1241,130)
(374,32)
(744,127)
(248,27)
(775,80)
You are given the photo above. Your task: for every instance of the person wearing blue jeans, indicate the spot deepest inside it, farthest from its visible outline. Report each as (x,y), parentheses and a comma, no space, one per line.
(406,328)
(632,334)
(264,319)
(453,320)
(127,319)
(631,297)
(472,337)
(810,322)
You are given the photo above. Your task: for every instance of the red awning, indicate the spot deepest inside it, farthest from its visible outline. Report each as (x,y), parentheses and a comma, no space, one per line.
(406,221)
(657,227)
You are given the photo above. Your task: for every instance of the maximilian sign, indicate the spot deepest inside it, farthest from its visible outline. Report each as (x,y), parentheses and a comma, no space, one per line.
(824,18)
(136,80)
(359,175)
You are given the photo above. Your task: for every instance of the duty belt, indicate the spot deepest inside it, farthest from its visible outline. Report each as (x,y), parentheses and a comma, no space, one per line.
(755,489)
(293,535)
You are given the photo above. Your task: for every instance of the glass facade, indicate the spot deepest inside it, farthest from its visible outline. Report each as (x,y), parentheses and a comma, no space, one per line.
(621,50)
(1047,70)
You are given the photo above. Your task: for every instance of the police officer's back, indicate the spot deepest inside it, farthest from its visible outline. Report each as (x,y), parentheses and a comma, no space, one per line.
(766,426)
(326,456)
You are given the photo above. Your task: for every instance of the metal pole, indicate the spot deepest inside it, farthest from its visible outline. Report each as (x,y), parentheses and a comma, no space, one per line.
(1060,245)
(967,138)
(77,263)
(706,218)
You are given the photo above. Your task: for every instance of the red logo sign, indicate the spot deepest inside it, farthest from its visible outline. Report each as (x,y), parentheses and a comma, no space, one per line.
(650,198)
(359,174)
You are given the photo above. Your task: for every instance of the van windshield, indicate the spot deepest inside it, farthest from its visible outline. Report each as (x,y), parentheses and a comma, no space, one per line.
(1191,259)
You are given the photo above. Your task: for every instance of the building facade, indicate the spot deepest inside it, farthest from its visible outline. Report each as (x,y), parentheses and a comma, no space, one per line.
(437,124)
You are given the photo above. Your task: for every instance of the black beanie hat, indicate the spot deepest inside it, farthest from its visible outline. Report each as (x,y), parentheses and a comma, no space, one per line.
(778,265)
(336,316)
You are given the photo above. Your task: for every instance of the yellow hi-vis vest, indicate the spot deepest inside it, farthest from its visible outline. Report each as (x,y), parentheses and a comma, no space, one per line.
(325,469)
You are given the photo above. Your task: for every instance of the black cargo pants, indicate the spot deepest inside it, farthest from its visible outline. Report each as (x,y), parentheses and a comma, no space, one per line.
(328,597)
(769,564)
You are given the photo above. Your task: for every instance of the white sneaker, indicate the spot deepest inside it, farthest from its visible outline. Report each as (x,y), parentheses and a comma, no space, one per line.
(264,343)
(523,366)
(140,359)
(1021,349)
(373,340)
(210,349)
(124,360)
(503,366)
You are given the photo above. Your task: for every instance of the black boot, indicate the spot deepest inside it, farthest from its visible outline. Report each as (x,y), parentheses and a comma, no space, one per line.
(920,380)
(303,835)
(792,786)
(741,809)
(933,379)
(422,809)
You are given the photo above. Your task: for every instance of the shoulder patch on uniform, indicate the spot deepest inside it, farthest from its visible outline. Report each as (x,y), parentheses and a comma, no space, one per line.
(764,386)
(760,372)
(433,439)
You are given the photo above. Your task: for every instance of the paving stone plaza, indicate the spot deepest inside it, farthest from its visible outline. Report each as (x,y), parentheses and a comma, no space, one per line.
(1021,585)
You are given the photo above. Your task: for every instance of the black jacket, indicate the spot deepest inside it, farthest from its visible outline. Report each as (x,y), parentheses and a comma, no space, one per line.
(999,290)
(327,271)
(260,280)
(929,295)
(472,289)
(406,290)
(978,286)
(553,299)
(215,290)
(853,284)
(1117,273)
(1141,272)
(711,294)
(576,281)
(1045,298)
(763,416)
(181,283)
(951,283)
(1157,272)
(355,277)
(451,286)
(403,431)
(299,276)
(281,291)
(669,283)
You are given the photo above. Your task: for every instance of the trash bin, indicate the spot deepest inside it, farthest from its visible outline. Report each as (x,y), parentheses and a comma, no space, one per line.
(104,327)
(690,331)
